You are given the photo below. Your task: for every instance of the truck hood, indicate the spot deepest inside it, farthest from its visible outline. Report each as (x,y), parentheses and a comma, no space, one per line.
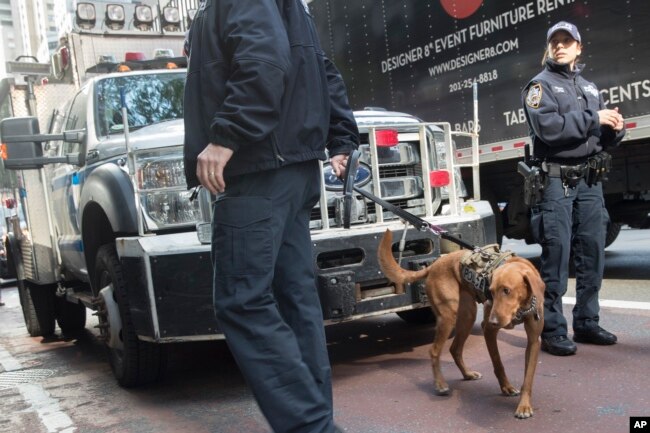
(164,134)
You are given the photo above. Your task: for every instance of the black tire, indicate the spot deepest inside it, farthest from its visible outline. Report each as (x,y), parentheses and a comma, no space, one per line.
(419,316)
(37,303)
(70,317)
(138,362)
(613,230)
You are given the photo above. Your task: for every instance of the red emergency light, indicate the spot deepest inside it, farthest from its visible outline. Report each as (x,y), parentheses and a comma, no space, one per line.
(439,178)
(386,138)
(134,56)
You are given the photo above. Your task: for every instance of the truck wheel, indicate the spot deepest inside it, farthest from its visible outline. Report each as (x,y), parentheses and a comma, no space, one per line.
(419,316)
(133,362)
(70,317)
(38,308)
(613,230)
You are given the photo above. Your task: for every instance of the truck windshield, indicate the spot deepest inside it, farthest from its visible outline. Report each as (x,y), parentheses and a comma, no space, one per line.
(150,98)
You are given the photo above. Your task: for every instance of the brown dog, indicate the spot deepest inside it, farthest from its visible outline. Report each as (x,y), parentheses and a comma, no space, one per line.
(516,287)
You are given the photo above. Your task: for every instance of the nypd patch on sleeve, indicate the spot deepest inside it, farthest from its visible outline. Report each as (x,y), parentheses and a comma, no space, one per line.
(534,96)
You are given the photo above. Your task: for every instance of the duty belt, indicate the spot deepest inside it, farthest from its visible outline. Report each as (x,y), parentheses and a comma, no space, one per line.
(553,169)
(594,170)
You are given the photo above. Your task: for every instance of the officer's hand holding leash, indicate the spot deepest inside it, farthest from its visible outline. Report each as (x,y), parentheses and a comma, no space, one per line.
(339,163)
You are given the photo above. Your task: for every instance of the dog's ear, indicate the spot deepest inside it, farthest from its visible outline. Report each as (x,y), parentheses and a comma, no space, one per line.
(534,282)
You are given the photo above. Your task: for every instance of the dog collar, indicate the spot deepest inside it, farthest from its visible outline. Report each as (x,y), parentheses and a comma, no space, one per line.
(521,313)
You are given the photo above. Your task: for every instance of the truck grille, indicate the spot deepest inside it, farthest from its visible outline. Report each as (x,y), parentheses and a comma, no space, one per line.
(386,172)
(400,183)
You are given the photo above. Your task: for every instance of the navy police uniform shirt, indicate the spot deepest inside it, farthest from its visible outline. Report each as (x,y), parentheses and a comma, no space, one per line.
(562,113)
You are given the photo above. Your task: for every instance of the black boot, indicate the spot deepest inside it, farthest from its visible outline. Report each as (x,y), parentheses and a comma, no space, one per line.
(594,336)
(558,345)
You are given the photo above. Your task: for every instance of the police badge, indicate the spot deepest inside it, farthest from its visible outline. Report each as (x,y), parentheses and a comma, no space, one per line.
(534,96)
(592,90)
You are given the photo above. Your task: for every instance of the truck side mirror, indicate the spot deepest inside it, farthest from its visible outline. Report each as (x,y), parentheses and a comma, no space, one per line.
(74,136)
(20,154)
(22,149)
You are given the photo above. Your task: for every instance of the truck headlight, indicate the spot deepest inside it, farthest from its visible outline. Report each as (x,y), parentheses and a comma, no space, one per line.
(163,191)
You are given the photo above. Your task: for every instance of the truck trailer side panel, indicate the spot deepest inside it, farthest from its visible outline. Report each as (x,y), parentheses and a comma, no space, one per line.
(424,56)
(419,58)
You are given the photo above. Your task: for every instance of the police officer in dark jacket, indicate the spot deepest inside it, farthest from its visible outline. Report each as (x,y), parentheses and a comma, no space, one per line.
(570,128)
(262,102)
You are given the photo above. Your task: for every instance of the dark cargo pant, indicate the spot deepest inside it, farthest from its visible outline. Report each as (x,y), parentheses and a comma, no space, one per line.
(559,223)
(265,295)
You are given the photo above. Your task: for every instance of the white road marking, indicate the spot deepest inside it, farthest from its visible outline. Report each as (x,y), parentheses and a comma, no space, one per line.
(39,400)
(632,305)
(8,362)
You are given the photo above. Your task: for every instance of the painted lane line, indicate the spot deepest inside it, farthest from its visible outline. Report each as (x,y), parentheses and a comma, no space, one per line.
(632,305)
(39,400)
(47,408)
(8,362)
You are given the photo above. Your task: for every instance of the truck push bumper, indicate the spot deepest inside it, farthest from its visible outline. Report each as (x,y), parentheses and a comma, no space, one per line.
(169,287)
(169,277)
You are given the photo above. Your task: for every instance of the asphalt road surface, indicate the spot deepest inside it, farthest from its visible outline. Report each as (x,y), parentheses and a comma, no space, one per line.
(382,375)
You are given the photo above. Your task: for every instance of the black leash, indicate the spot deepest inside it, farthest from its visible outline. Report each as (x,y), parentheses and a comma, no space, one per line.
(416,221)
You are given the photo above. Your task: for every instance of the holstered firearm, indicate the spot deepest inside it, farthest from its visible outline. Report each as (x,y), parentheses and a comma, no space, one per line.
(597,168)
(533,183)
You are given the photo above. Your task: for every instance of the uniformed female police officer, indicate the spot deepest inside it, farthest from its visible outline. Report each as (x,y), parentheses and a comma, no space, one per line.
(570,127)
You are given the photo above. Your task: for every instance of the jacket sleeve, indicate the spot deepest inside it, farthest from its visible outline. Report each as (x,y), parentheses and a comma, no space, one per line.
(343,135)
(549,125)
(256,45)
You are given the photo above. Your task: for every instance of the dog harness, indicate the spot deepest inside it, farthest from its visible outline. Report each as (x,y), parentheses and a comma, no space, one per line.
(477,268)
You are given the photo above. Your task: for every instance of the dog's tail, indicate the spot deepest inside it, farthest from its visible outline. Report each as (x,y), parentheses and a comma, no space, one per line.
(391,269)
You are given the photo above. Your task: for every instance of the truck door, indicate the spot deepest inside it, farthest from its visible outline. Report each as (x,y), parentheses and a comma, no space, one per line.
(66,188)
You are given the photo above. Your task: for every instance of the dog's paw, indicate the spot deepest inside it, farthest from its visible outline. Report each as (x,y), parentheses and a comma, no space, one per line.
(442,389)
(510,391)
(472,375)
(524,412)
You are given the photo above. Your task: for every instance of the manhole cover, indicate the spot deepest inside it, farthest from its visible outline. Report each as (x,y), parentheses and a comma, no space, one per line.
(13,378)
